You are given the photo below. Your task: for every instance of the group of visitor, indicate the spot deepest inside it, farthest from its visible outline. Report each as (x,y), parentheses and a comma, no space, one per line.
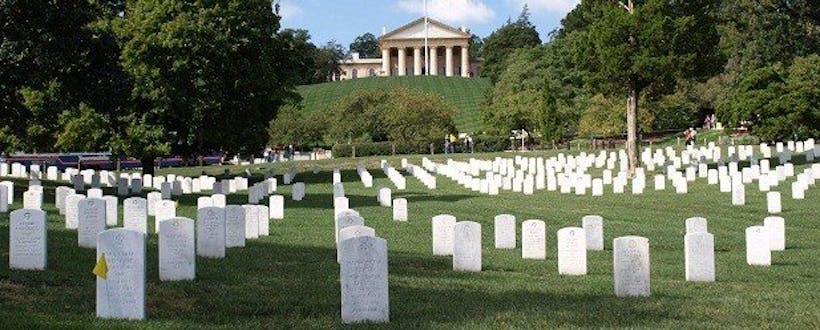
(690,135)
(451,140)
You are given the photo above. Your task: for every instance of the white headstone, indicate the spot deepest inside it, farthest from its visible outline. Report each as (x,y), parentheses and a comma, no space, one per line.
(94,193)
(776,228)
(251,222)
(4,201)
(758,249)
(594,230)
(9,191)
(298,191)
(72,210)
(276,207)
(135,214)
(696,225)
(631,266)
(699,255)
(33,200)
(177,258)
(400,209)
(351,232)
(385,197)
(467,246)
(121,294)
(27,239)
(219,200)
(166,209)
(533,240)
(264,220)
(234,226)
(111,210)
(153,199)
(572,251)
(363,277)
(210,232)
(91,221)
(204,201)
(505,236)
(443,234)
(773,202)
(344,219)
(59,197)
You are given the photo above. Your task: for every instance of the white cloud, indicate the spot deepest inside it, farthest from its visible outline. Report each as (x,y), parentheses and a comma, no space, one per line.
(289,11)
(552,6)
(450,11)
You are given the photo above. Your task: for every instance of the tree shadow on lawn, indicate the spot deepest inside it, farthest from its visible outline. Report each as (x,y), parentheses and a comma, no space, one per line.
(325,201)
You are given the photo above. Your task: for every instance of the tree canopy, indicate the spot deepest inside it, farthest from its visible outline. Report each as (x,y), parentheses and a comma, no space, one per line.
(366,45)
(503,42)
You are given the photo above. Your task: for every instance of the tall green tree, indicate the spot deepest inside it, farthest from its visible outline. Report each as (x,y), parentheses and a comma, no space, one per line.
(55,56)
(634,49)
(502,42)
(208,75)
(366,45)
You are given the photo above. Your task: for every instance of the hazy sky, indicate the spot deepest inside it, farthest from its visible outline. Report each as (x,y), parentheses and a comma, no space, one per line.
(343,20)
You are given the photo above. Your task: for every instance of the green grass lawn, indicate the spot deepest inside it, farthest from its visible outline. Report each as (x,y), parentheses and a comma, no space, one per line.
(466,95)
(291,279)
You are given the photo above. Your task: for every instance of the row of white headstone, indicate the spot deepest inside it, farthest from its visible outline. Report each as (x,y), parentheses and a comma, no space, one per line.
(363,273)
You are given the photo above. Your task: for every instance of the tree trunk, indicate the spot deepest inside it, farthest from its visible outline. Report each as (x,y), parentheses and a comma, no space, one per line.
(147,165)
(632,128)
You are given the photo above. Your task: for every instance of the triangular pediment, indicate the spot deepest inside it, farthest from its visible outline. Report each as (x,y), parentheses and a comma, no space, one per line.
(435,30)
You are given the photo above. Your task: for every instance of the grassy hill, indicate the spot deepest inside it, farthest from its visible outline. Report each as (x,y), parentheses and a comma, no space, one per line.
(466,95)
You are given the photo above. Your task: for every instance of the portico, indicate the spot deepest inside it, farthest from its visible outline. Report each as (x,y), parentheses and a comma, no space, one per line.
(403,50)
(405,53)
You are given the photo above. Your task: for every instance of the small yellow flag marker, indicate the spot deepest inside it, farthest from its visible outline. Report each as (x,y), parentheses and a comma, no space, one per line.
(101,269)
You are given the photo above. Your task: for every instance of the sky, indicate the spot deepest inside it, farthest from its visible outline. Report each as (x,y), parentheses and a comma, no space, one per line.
(344,20)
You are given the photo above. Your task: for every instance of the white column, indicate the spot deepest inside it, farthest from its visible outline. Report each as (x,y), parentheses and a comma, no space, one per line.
(448,61)
(402,61)
(416,61)
(433,61)
(465,62)
(386,62)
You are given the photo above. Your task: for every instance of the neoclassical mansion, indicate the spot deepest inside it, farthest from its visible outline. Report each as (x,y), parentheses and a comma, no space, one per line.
(403,53)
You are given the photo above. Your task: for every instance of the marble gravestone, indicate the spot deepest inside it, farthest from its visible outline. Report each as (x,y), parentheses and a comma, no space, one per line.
(251,222)
(4,201)
(177,257)
(364,280)
(533,239)
(346,218)
(505,235)
(153,198)
(776,228)
(351,232)
(94,193)
(91,221)
(298,191)
(204,201)
(340,204)
(121,294)
(276,207)
(631,266)
(264,220)
(218,200)
(33,200)
(594,230)
(572,251)
(72,211)
(758,249)
(467,246)
(385,197)
(135,214)
(111,210)
(442,226)
(27,239)
(773,202)
(400,209)
(166,209)
(234,226)
(699,255)
(210,232)
(696,225)
(59,197)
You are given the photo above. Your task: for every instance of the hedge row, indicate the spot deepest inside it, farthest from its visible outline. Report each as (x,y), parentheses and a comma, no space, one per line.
(364,149)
